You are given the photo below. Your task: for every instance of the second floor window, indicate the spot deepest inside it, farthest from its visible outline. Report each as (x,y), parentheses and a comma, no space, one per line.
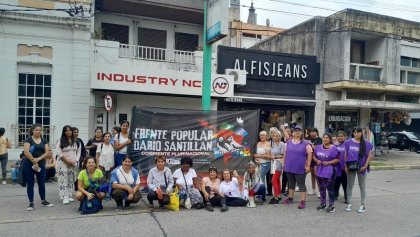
(186,42)
(410,62)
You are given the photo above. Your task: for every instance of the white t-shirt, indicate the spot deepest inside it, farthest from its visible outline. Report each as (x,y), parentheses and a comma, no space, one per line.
(126,178)
(231,188)
(188,177)
(106,157)
(122,139)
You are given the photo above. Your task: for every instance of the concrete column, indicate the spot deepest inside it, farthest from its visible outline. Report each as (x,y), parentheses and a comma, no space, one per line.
(319,118)
(364,117)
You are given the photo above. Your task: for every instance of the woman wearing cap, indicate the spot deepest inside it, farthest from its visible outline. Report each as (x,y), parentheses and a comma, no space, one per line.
(210,189)
(326,156)
(186,180)
(341,178)
(160,182)
(263,158)
(229,190)
(360,151)
(297,161)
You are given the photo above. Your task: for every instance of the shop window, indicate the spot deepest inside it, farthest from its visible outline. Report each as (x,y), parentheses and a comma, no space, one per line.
(34,95)
(115,32)
(186,42)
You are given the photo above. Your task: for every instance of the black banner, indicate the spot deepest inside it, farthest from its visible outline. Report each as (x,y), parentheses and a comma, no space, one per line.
(224,139)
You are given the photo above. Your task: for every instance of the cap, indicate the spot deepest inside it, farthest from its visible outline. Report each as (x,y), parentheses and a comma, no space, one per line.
(298,127)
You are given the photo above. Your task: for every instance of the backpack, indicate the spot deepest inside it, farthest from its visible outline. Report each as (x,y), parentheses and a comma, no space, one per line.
(91,206)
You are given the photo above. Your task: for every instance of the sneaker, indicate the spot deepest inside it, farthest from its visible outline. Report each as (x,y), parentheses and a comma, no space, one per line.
(287,201)
(313,192)
(331,209)
(66,201)
(71,200)
(346,202)
(348,208)
(46,204)
(30,207)
(321,206)
(362,209)
(297,189)
(199,206)
(274,201)
(119,208)
(127,205)
(209,207)
(224,208)
(4,182)
(302,205)
(318,195)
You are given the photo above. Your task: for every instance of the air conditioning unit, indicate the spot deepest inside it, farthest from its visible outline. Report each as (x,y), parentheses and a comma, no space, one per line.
(239,76)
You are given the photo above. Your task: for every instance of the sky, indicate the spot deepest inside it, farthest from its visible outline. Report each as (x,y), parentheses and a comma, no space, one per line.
(288,13)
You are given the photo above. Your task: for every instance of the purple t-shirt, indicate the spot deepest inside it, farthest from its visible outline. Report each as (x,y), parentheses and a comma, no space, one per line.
(352,150)
(322,154)
(296,156)
(340,166)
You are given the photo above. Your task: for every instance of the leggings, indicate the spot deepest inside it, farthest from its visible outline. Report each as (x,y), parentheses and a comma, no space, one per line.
(28,174)
(296,178)
(284,182)
(326,185)
(233,201)
(341,180)
(276,183)
(3,160)
(351,176)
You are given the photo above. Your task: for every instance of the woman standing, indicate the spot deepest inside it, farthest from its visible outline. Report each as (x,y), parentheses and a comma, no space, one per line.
(125,181)
(115,130)
(210,189)
(297,161)
(81,144)
(186,180)
(105,155)
(277,151)
(229,191)
(315,141)
(357,151)
(35,150)
(4,145)
(68,153)
(263,158)
(94,142)
(326,156)
(341,178)
(121,141)
(284,180)
(160,182)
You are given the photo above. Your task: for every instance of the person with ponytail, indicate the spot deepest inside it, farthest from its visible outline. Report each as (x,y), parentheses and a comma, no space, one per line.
(341,177)
(358,150)
(326,156)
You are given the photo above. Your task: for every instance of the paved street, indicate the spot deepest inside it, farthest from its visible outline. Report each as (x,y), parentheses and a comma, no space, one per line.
(392,210)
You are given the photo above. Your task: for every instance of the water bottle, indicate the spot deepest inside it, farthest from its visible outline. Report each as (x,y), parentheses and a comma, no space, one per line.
(89,204)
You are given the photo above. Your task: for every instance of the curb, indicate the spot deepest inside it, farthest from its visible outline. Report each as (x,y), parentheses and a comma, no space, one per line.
(395,167)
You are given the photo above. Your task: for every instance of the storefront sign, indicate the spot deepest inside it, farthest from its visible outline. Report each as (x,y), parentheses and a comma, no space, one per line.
(225,139)
(157,81)
(264,65)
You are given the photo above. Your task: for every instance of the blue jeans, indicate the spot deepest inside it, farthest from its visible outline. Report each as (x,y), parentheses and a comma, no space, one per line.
(15,173)
(28,175)
(261,191)
(264,170)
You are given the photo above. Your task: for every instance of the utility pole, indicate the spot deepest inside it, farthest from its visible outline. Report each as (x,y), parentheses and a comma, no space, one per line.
(207,53)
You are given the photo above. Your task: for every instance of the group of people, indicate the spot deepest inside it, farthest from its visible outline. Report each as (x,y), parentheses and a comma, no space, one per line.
(331,160)
(281,161)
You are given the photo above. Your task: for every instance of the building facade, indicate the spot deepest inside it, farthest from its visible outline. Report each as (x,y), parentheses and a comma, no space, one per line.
(369,70)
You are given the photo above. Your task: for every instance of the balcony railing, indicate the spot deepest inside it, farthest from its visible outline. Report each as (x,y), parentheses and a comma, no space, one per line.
(365,72)
(156,54)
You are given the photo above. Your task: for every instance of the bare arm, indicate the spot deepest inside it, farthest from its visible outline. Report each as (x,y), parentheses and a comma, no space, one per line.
(8,144)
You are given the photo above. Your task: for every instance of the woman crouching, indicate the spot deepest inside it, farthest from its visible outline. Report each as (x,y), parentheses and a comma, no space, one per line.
(125,182)
(160,182)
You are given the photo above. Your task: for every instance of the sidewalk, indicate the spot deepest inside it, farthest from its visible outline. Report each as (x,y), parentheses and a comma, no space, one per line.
(396,159)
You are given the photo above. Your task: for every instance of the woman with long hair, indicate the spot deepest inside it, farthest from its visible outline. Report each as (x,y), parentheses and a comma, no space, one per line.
(81,144)
(341,177)
(357,157)
(68,153)
(36,150)
(326,156)
(297,161)
(94,142)
(229,190)
(122,139)
(105,155)
(4,145)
